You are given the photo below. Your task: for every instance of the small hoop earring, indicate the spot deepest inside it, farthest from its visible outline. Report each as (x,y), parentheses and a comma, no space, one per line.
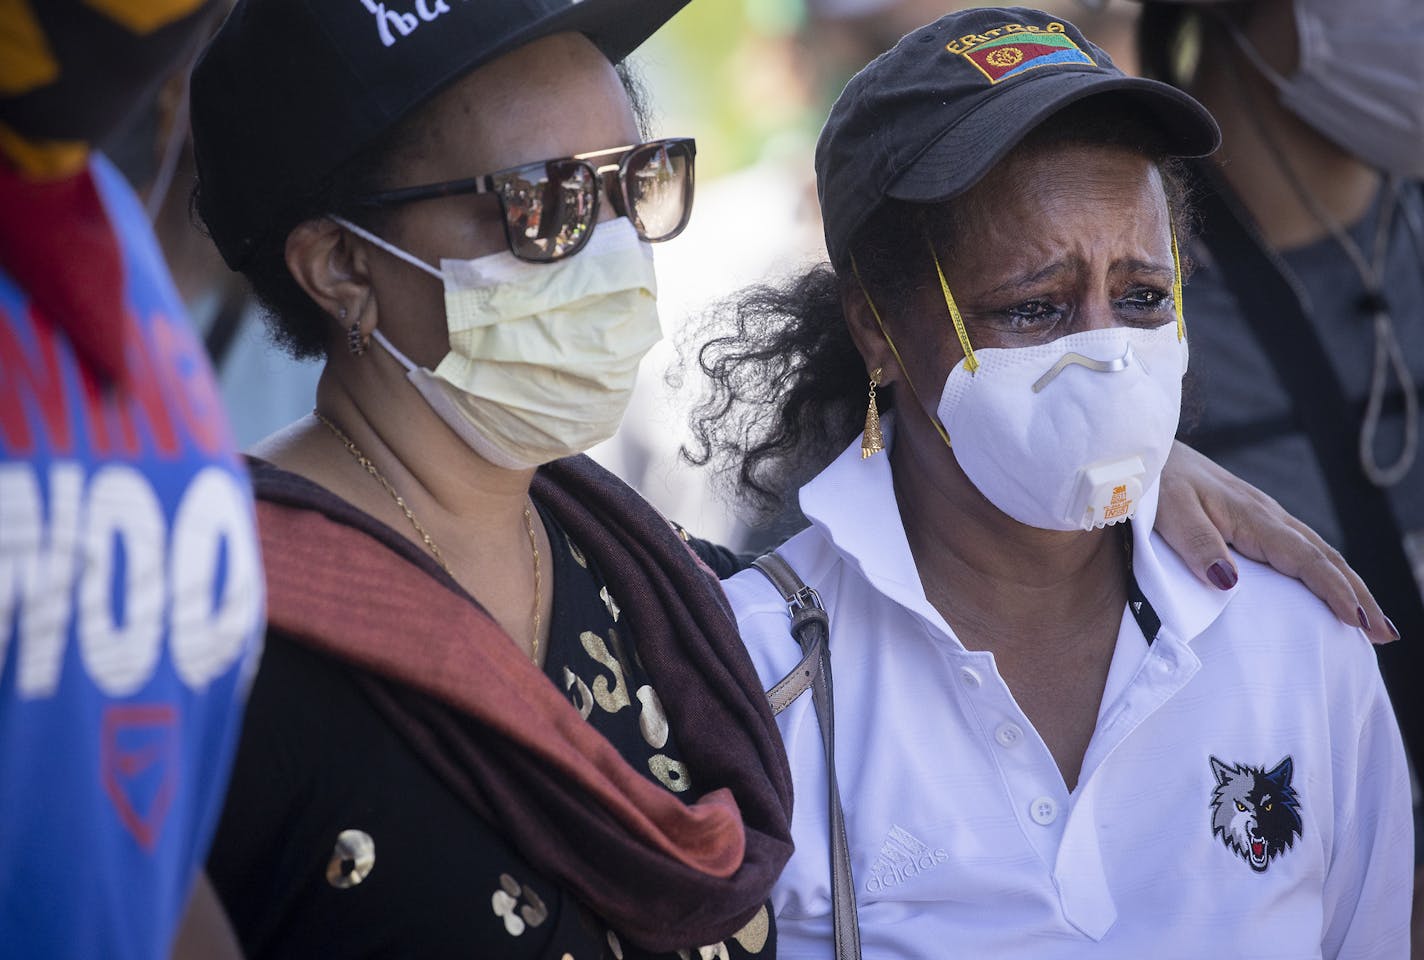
(873,441)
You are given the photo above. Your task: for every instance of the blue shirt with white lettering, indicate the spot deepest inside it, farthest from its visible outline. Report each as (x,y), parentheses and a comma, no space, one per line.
(131,606)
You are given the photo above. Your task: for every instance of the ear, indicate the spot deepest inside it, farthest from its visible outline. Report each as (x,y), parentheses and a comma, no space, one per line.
(333,271)
(1281,773)
(865,331)
(1221,770)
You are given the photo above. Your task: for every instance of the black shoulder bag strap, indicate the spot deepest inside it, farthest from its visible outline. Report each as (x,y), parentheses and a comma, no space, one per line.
(811,628)
(1275,309)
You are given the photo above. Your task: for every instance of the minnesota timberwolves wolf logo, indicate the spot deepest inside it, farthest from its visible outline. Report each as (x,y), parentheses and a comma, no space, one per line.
(1254,811)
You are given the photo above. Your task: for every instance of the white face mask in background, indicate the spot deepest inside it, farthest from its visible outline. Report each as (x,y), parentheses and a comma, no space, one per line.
(1360,78)
(1068,435)
(543,356)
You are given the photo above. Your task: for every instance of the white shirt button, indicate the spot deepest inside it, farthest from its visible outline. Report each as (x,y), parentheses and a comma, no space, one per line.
(1166,665)
(1044,811)
(970,676)
(1008,734)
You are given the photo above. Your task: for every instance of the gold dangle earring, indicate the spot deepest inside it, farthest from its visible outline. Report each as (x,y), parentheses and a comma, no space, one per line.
(873,442)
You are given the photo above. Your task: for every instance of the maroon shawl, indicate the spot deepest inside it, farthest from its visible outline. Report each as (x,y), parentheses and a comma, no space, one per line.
(666,873)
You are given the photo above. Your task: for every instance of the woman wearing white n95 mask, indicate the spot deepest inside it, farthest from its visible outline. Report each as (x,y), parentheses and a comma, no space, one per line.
(1054,740)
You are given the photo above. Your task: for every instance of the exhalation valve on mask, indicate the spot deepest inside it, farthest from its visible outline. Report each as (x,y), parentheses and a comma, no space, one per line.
(1107,493)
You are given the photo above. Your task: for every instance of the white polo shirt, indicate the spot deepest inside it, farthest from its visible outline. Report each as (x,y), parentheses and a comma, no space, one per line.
(964,840)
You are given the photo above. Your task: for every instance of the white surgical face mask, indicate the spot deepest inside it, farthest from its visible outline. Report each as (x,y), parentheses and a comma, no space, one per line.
(1068,435)
(1360,78)
(543,356)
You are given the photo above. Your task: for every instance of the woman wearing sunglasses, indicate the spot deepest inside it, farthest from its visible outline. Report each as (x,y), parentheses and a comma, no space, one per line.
(500,713)
(503,709)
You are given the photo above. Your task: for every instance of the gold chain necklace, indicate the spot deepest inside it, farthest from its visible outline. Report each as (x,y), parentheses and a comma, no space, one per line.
(370,467)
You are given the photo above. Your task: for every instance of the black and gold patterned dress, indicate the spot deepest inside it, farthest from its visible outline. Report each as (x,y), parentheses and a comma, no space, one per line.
(337,840)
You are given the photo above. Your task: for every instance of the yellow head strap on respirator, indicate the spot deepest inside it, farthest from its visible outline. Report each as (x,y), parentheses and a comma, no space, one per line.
(885,332)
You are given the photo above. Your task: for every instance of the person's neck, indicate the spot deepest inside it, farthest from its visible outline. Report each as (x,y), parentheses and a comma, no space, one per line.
(1000,584)
(1252,120)
(429,465)
(471,509)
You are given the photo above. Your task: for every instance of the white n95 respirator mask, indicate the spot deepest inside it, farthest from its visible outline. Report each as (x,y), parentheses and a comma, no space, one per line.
(1068,435)
(543,356)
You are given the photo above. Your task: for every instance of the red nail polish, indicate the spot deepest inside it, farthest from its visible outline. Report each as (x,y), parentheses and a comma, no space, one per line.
(1364,617)
(1393,630)
(1222,575)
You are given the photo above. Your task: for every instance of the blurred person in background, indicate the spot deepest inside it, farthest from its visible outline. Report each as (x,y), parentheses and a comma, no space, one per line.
(130,583)
(1308,299)
(1055,739)
(261,388)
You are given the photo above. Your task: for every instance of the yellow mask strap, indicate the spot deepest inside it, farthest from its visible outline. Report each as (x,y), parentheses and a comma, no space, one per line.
(1177,288)
(885,332)
(970,363)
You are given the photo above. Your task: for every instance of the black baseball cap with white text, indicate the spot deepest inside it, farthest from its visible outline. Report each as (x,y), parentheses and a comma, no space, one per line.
(289,90)
(927,119)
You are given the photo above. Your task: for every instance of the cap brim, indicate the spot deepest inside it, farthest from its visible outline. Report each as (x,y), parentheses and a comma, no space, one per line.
(617,27)
(965,152)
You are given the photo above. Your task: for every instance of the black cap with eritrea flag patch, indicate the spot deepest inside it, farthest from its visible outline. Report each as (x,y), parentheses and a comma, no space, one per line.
(924,121)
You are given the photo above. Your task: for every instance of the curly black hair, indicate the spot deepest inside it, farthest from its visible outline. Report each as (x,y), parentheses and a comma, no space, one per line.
(785,385)
(294,322)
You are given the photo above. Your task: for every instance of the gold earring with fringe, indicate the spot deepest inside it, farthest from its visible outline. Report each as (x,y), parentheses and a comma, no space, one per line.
(872,442)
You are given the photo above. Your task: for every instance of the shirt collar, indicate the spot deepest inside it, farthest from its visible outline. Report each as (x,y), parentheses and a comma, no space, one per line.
(852,502)
(1186,605)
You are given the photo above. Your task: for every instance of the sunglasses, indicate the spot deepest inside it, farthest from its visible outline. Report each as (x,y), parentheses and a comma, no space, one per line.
(550,207)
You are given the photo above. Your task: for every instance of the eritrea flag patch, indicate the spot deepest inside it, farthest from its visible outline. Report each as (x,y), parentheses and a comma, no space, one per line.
(1008,56)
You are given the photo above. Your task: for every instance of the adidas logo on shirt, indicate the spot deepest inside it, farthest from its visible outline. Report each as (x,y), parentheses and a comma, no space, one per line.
(902,857)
